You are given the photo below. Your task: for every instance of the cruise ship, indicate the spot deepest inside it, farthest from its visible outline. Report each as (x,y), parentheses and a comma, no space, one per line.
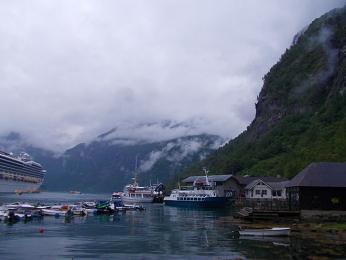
(19,174)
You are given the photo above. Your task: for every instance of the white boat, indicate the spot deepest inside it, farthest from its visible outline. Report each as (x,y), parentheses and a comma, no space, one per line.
(89,207)
(272,232)
(57,210)
(54,212)
(18,205)
(133,193)
(88,204)
(137,194)
(202,194)
(78,210)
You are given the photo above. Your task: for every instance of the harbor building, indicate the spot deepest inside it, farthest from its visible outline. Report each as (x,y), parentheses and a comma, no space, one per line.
(320,186)
(259,189)
(270,186)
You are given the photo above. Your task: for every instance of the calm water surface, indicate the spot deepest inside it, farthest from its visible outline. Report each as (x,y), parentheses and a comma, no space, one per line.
(156,233)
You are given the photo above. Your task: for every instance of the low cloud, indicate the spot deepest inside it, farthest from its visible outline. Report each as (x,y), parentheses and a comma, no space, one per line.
(179,150)
(70,70)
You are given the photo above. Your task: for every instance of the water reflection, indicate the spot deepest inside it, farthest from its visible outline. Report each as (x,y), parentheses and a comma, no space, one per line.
(158,231)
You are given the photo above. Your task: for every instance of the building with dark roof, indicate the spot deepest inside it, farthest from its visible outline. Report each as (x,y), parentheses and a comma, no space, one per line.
(320,186)
(259,189)
(235,185)
(245,180)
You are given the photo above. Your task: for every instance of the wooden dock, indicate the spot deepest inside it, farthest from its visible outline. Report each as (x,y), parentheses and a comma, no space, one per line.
(255,214)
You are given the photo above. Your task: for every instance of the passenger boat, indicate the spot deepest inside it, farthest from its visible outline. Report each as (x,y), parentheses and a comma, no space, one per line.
(133,193)
(272,232)
(202,194)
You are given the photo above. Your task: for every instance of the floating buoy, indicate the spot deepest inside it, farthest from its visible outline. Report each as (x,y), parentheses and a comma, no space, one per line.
(40,230)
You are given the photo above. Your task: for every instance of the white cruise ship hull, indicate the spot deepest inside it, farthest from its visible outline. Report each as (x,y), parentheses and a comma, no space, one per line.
(13,186)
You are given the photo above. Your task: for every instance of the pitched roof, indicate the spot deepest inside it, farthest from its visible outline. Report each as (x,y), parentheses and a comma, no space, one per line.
(254,183)
(279,185)
(323,174)
(221,178)
(245,180)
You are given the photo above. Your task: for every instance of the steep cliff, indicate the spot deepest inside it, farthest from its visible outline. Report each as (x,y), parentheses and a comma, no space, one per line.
(301,109)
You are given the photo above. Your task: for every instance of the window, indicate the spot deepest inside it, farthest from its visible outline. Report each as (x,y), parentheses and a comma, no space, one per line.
(258,192)
(279,193)
(274,193)
(264,192)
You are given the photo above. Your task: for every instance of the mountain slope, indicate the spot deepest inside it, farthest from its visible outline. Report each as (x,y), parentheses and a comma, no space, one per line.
(301,109)
(108,163)
(103,166)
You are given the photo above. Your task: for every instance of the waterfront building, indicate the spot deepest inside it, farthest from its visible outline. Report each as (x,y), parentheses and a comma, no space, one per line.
(320,186)
(259,189)
(245,182)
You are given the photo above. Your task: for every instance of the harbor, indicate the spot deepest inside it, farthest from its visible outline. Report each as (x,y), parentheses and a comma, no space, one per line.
(173,231)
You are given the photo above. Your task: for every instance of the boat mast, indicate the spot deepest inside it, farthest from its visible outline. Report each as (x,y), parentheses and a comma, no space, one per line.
(135,178)
(206,176)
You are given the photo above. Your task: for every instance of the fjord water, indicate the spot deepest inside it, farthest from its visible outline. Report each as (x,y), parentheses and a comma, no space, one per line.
(151,234)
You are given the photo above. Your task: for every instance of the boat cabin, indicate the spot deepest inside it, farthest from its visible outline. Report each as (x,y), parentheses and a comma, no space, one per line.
(224,185)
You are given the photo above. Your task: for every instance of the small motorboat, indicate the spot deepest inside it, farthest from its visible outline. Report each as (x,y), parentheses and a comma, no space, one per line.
(78,210)
(104,208)
(134,207)
(88,204)
(271,232)
(17,205)
(58,210)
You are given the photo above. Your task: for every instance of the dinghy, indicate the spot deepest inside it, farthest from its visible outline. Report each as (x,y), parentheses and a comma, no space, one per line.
(272,232)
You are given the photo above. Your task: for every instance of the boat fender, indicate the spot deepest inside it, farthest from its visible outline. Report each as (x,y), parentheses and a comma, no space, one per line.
(41,230)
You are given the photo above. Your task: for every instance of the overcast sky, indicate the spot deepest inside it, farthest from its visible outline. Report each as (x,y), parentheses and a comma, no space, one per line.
(71,70)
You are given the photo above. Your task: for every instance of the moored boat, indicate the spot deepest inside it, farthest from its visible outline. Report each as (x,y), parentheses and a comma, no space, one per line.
(78,210)
(203,194)
(271,232)
(58,210)
(134,194)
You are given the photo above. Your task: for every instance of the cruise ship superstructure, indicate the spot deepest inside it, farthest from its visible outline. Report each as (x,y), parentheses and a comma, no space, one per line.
(19,174)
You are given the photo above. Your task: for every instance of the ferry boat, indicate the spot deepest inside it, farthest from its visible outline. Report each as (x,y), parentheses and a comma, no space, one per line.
(203,194)
(133,193)
(19,174)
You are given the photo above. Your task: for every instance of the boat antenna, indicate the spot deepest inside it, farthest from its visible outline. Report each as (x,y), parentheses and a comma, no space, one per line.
(206,176)
(135,178)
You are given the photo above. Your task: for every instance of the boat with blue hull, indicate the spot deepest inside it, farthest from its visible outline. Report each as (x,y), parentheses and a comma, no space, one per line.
(202,194)
(220,202)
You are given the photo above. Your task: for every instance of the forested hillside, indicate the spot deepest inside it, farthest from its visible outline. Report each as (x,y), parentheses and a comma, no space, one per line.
(301,109)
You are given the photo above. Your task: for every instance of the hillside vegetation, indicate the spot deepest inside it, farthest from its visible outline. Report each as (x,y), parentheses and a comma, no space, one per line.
(301,109)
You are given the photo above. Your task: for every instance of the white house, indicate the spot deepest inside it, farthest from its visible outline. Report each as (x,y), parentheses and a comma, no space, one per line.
(258,189)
